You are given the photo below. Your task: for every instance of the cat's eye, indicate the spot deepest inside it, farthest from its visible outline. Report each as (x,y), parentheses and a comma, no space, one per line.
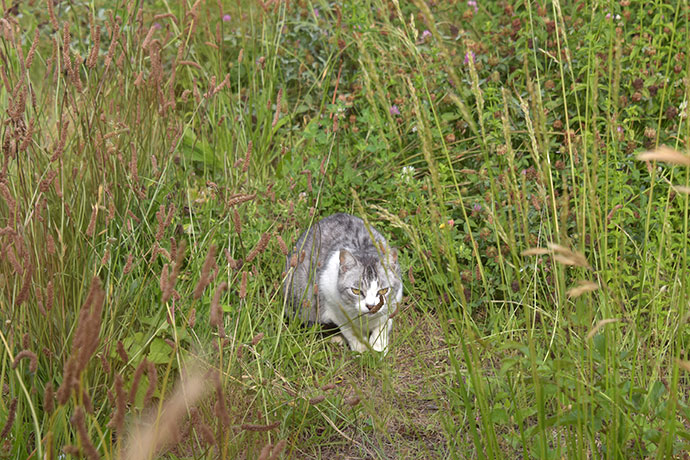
(383,291)
(355,291)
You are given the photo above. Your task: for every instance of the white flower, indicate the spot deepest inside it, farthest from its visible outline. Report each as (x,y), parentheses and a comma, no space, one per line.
(407,174)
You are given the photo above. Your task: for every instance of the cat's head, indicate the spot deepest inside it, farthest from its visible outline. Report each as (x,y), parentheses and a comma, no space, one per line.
(366,281)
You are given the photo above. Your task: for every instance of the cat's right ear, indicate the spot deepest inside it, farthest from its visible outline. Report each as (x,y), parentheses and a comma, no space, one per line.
(347,260)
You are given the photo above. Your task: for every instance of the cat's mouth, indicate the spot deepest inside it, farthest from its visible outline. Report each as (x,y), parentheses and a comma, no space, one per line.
(376,307)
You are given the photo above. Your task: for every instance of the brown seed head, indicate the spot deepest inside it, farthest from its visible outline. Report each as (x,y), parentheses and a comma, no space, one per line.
(243,285)
(78,421)
(205,278)
(33,361)
(216,316)
(117,420)
(11,413)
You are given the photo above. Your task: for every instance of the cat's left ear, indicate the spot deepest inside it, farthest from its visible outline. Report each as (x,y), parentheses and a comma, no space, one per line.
(347,260)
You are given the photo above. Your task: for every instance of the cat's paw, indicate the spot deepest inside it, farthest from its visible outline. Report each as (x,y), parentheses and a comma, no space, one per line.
(359,347)
(380,347)
(338,339)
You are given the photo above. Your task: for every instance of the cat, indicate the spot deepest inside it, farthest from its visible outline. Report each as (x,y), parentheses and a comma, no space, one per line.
(342,271)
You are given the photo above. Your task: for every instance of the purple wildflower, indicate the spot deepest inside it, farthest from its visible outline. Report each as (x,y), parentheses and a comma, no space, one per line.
(394,110)
(316,13)
(469,55)
(426,34)
(227,18)
(157,25)
(477,207)
(473,3)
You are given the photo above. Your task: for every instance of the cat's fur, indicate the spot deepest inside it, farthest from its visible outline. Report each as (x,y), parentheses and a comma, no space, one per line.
(333,260)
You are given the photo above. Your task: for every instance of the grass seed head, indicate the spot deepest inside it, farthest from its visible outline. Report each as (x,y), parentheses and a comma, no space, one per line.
(317,400)
(135,380)
(260,247)
(11,413)
(117,420)
(48,399)
(128,264)
(277,449)
(236,221)
(243,285)
(216,316)
(205,278)
(120,348)
(77,420)
(33,360)
(257,338)
(153,381)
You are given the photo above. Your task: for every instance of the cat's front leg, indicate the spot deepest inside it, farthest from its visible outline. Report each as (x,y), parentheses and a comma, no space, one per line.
(352,340)
(379,337)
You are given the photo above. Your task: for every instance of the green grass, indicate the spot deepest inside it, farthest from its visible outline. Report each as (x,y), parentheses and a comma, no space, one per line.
(150,149)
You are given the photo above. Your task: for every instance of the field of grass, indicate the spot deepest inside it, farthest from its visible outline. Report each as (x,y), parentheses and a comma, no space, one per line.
(159,158)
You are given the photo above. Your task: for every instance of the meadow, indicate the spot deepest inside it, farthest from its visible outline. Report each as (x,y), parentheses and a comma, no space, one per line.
(529,160)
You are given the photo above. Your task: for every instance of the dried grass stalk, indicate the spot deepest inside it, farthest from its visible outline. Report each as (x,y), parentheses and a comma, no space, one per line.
(535,252)
(599,325)
(666,155)
(583,286)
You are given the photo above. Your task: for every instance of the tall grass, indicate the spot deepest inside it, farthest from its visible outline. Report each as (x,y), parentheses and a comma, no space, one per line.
(159,159)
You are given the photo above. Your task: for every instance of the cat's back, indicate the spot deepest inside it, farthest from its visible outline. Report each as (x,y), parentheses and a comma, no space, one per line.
(338,231)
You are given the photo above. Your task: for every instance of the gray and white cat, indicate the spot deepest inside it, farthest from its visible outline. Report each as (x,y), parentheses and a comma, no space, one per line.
(344,272)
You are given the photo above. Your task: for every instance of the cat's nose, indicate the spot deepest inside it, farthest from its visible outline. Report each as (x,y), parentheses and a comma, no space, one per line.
(370,306)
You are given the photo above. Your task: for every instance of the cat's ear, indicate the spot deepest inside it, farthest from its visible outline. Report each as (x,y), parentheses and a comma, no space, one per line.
(347,260)
(394,256)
